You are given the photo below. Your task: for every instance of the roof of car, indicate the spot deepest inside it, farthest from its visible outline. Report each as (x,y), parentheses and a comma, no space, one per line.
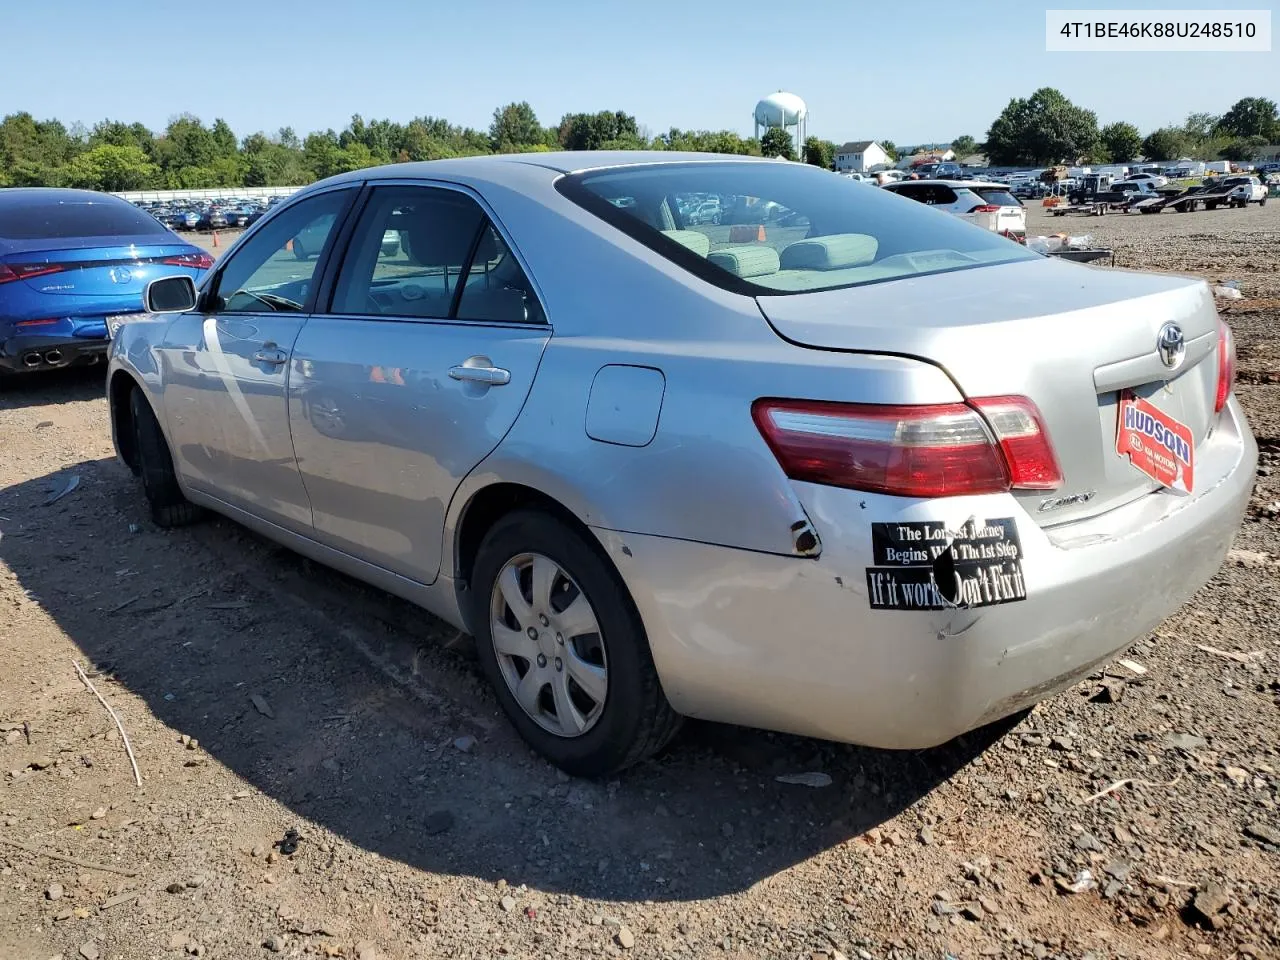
(953,183)
(25,196)
(499,167)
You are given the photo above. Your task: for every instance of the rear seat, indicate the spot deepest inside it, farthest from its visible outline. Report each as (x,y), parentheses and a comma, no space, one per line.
(834,252)
(746,261)
(699,243)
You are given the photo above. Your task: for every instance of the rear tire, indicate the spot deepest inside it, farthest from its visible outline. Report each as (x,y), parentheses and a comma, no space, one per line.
(169,508)
(635,720)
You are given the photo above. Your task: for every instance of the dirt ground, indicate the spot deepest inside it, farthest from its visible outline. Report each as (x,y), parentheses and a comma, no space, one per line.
(263,694)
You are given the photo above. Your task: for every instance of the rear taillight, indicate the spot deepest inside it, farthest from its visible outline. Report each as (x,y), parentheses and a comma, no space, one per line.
(45,322)
(987,446)
(986,208)
(197,261)
(27,271)
(1226,366)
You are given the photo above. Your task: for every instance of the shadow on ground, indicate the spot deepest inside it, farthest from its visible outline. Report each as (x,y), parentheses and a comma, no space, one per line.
(368,695)
(53,386)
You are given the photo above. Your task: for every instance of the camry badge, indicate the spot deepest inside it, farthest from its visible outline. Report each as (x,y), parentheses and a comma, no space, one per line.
(1053,503)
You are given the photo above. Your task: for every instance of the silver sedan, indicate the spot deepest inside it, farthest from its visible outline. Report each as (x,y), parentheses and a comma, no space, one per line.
(836,464)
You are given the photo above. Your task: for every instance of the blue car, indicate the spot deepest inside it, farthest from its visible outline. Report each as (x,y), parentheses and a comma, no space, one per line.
(73,265)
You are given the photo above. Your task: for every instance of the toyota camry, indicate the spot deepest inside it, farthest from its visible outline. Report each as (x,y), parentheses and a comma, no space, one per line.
(834,463)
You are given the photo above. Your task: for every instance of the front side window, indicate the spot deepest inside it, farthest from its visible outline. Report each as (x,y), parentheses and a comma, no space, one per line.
(431,253)
(783,227)
(273,270)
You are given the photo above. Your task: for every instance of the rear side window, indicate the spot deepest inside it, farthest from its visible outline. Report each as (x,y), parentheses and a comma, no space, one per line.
(783,227)
(49,216)
(431,253)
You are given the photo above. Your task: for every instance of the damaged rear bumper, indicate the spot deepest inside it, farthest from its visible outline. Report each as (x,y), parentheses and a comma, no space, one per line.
(795,645)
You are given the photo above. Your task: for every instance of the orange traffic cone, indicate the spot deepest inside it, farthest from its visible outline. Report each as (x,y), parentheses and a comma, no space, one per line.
(215,238)
(761,237)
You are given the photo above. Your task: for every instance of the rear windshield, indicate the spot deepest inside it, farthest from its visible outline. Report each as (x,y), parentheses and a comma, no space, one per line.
(773,228)
(998,196)
(59,218)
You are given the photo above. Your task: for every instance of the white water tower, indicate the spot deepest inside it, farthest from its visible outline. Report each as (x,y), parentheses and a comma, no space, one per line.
(784,110)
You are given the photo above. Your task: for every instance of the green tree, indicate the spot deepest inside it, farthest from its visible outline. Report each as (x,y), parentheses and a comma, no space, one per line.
(1121,141)
(515,127)
(706,141)
(890,148)
(964,146)
(224,140)
(776,142)
(1041,129)
(820,153)
(608,129)
(110,167)
(1167,143)
(1251,117)
(1243,150)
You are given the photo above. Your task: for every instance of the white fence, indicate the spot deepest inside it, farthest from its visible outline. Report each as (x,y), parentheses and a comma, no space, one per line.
(209,193)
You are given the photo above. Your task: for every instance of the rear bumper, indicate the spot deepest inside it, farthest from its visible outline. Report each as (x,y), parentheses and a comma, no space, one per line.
(791,644)
(31,353)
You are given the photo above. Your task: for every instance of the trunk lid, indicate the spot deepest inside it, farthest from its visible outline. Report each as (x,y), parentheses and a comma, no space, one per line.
(120,269)
(1070,337)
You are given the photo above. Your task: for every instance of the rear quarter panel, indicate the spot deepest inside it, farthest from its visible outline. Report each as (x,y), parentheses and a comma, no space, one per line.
(706,474)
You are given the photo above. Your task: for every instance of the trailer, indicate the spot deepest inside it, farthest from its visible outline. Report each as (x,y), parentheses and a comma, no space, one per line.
(1192,199)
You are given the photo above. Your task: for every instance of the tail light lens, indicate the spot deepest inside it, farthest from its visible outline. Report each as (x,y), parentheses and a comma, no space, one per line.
(197,261)
(26,271)
(1226,366)
(986,208)
(987,446)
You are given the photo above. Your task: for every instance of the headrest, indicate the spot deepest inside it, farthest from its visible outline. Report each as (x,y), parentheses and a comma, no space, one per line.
(699,243)
(488,248)
(748,260)
(830,253)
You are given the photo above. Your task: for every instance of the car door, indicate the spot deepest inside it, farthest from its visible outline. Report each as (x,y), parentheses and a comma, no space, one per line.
(413,375)
(226,365)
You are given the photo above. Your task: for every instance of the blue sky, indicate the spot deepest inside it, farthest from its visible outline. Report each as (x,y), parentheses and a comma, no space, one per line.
(905,72)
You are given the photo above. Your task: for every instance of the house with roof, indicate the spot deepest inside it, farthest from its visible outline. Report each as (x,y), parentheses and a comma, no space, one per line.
(860,156)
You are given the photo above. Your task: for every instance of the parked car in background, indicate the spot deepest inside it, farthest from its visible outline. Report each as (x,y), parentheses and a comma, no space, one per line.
(948,170)
(73,265)
(816,473)
(1155,179)
(988,205)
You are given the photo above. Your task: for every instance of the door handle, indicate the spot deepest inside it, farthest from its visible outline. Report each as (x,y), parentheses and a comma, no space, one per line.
(480,370)
(271,354)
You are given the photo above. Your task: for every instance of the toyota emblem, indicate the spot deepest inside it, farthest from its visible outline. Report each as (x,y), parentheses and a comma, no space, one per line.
(1171,345)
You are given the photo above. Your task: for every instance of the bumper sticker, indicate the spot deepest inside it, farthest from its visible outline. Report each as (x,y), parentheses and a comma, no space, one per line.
(929,566)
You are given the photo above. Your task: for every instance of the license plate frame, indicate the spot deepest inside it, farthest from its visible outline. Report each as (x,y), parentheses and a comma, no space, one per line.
(1155,443)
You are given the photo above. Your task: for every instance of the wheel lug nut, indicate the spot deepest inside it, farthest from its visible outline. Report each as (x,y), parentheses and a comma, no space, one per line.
(533,634)
(560,639)
(542,661)
(559,664)
(543,619)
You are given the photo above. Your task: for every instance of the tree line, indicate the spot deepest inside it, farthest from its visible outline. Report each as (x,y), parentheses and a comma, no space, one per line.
(1047,128)
(113,155)
(1038,130)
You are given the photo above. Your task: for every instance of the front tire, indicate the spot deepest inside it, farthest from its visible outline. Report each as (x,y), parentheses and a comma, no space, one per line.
(169,508)
(563,645)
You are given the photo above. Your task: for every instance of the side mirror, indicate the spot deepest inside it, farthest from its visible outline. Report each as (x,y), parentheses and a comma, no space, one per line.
(170,295)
